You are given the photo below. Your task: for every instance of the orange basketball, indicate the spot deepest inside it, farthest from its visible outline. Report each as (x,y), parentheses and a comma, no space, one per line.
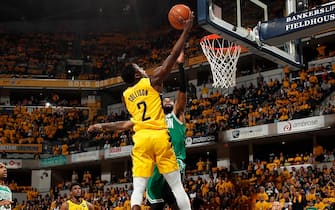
(178,14)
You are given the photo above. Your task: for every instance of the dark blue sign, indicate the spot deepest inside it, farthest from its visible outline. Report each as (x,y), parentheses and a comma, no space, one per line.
(297,25)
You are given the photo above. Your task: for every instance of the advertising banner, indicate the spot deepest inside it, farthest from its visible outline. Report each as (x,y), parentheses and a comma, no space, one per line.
(12,163)
(59,83)
(300,24)
(257,131)
(21,148)
(85,156)
(53,161)
(200,141)
(115,152)
(301,125)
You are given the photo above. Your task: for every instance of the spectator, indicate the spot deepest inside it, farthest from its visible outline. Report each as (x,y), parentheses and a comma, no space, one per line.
(200,166)
(318,153)
(74,177)
(208,165)
(192,91)
(204,91)
(107,145)
(37,156)
(3,155)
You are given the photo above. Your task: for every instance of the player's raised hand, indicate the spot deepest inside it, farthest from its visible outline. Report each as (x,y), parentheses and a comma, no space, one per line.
(181,57)
(189,22)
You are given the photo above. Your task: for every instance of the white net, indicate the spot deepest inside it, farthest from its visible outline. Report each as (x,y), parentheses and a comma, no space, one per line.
(222,56)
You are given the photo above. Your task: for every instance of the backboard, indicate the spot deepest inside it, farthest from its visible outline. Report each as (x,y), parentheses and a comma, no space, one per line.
(238,21)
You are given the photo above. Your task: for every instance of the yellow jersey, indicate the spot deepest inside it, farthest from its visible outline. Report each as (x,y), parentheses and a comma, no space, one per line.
(74,206)
(144,104)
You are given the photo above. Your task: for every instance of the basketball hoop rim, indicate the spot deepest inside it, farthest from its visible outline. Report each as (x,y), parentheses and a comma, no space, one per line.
(222,56)
(216,36)
(211,36)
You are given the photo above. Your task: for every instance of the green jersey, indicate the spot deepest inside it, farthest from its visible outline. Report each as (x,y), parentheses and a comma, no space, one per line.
(5,194)
(156,188)
(177,131)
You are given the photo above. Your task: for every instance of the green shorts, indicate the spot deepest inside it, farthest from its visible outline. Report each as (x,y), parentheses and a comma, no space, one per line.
(158,190)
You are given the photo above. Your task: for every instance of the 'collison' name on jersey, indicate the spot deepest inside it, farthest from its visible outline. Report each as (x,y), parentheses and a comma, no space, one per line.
(137,93)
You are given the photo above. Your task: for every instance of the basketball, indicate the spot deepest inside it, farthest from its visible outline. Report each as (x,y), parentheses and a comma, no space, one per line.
(177,16)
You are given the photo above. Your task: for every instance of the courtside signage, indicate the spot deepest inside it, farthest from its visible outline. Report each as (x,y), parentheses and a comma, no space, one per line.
(246,133)
(115,152)
(301,125)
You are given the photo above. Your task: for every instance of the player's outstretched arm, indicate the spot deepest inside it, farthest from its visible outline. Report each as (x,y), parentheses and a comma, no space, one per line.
(119,125)
(162,72)
(141,70)
(180,105)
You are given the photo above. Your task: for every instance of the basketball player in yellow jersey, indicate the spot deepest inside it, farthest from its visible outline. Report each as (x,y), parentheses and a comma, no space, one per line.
(151,139)
(76,201)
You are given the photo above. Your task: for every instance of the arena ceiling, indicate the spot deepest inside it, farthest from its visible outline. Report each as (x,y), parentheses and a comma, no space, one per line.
(64,9)
(121,14)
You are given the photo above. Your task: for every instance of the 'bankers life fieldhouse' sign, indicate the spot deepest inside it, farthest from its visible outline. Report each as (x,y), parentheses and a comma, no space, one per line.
(298,25)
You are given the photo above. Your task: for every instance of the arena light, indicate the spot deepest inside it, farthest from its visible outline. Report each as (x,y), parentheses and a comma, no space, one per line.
(47,105)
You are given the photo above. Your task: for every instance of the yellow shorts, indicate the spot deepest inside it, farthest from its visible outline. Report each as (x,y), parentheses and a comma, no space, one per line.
(152,147)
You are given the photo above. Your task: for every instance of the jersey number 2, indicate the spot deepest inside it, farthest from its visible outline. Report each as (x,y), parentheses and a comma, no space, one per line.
(139,105)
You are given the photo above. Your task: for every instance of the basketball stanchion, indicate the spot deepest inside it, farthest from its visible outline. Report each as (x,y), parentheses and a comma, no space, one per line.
(222,56)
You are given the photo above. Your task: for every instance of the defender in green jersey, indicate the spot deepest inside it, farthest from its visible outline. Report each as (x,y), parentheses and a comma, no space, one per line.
(5,193)
(158,191)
